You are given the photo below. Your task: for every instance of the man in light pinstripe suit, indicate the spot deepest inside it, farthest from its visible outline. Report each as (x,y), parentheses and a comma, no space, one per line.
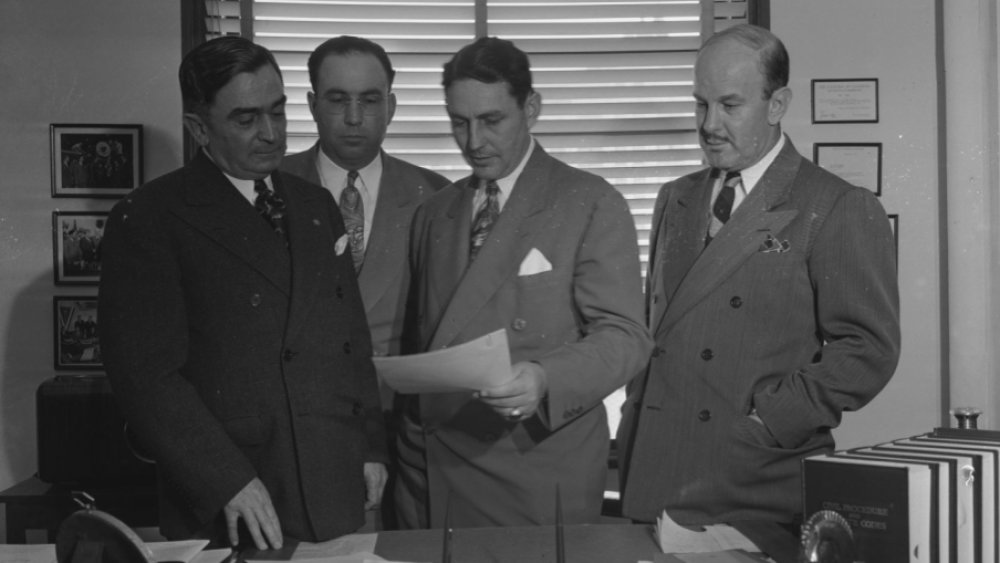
(774,307)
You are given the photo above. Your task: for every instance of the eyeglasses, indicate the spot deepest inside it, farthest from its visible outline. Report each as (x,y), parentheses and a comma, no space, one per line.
(338,104)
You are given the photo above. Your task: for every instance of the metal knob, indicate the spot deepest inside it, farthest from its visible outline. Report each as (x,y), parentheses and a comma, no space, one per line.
(966,416)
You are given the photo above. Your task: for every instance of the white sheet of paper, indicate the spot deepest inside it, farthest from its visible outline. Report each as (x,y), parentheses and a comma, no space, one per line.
(675,538)
(184,550)
(28,553)
(474,365)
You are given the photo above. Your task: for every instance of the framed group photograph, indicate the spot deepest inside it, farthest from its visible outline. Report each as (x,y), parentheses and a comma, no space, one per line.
(845,100)
(95,160)
(76,246)
(858,163)
(75,325)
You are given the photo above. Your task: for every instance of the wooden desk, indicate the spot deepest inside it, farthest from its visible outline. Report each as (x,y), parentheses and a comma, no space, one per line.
(35,505)
(598,543)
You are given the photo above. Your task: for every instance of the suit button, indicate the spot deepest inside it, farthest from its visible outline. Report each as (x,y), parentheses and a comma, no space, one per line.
(736,302)
(288,355)
(707,354)
(519,324)
(255,300)
(657,351)
(340,292)
(656,298)
(705,415)
(347,347)
(357,409)
(489,437)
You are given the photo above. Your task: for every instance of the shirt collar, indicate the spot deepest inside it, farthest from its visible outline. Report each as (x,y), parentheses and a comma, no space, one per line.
(245,187)
(752,174)
(335,178)
(506,184)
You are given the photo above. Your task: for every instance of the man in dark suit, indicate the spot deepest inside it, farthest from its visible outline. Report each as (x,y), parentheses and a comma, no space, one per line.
(773,301)
(547,252)
(352,103)
(233,331)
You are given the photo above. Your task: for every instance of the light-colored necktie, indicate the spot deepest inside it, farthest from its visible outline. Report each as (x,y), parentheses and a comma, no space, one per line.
(270,206)
(723,206)
(484,219)
(352,209)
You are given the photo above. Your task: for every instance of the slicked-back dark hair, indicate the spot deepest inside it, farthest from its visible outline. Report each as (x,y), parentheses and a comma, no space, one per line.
(207,68)
(773,57)
(346,44)
(491,60)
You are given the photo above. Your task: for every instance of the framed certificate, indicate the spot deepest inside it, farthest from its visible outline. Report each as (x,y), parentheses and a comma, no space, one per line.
(858,163)
(845,101)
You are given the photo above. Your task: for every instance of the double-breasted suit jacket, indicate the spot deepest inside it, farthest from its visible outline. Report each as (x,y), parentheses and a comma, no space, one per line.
(580,318)
(384,277)
(792,310)
(234,356)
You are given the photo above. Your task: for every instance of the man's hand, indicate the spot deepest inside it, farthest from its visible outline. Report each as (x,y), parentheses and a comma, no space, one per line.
(375,478)
(253,505)
(519,398)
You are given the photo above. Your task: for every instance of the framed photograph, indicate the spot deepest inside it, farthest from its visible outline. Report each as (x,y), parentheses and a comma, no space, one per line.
(76,246)
(858,163)
(845,101)
(76,342)
(95,160)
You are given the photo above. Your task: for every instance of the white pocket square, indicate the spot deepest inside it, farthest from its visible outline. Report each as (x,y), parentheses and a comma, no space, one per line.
(534,263)
(341,245)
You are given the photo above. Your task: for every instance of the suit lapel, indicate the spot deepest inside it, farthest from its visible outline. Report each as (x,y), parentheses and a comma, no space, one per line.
(312,248)
(681,240)
(215,207)
(741,238)
(500,257)
(389,232)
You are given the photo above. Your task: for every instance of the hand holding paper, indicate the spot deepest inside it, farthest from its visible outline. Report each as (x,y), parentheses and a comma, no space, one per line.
(519,398)
(472,366)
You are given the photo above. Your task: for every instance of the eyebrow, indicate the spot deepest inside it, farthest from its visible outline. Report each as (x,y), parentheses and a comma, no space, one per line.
(248,110)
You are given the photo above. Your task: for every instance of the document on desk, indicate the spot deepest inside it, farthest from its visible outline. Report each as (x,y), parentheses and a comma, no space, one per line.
(471,366)
(674,538)
(28,553)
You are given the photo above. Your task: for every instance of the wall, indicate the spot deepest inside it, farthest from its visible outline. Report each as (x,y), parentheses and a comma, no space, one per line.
(64,61)
(892,40)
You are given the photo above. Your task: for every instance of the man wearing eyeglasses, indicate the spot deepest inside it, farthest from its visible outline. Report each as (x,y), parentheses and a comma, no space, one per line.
(352,103)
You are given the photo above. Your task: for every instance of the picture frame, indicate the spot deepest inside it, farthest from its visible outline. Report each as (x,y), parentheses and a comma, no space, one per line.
(97,161)
(76,343)
(76,246)
(850,100)
(860,164)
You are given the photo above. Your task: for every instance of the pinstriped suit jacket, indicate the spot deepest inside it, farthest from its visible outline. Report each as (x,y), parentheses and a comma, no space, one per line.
(793,309)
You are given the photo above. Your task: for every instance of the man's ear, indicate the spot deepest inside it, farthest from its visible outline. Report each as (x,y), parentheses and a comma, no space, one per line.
(311,100)
(392,107)
(196,127)
(533,108)
(778,105)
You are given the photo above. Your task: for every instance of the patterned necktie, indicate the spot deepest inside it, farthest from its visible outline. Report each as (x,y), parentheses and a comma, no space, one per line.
(270,206)
(723,206)
(484,219)
(353,211)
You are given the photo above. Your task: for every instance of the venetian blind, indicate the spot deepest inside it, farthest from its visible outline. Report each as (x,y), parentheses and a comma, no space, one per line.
(615,76)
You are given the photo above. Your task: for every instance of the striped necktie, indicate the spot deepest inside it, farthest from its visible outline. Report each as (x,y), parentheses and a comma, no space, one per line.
(353,211)
(484,219)
(723,206)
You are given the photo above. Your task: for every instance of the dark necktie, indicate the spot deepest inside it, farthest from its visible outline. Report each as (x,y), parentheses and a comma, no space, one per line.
(723,206)
(484,219)
(270,206)
(353,211)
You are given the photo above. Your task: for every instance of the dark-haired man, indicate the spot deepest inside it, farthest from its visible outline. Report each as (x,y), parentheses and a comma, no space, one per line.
(773,301)
(547,252)
(232,328)
(352,104)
